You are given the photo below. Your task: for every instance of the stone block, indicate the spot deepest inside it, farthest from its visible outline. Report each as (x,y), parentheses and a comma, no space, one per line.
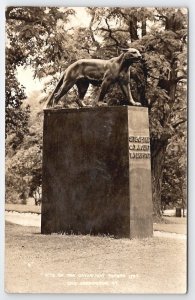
(96,172)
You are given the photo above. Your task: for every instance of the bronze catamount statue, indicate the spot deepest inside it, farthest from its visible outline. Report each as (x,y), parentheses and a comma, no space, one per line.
(97,71)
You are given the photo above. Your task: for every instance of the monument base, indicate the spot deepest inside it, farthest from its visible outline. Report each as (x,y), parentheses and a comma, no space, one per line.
(96,172)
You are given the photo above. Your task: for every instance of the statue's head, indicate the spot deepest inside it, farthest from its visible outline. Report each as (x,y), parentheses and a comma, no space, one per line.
(132,54)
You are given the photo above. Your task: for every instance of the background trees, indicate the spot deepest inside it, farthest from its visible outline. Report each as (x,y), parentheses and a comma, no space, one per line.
(47,40)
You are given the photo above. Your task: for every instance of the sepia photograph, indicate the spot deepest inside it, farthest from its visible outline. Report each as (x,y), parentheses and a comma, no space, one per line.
(96,113)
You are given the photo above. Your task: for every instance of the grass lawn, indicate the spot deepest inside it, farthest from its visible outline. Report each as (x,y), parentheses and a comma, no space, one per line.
(172,224)
(62,263)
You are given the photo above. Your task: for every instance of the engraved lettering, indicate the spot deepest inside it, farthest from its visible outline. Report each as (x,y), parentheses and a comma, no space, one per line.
(132,147)
(139,139)
(138,147)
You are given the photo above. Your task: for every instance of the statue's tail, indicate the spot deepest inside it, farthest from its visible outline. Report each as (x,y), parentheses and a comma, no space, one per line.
(50,101)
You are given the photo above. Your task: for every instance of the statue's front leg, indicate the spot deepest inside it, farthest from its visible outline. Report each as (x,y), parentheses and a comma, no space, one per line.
(129,94)
(130,97)
(104,88)
(80,103)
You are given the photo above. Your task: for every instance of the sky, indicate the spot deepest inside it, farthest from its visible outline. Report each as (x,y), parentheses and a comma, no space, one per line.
(25,76)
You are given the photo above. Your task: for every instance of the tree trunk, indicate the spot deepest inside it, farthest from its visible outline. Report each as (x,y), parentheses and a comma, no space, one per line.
(158,150)
(143,27)
(133,29)
(158,146)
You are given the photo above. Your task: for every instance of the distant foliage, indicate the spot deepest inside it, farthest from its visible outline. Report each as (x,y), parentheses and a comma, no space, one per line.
(23,173)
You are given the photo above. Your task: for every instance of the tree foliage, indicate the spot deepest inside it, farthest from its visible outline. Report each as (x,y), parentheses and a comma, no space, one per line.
(161,35)
(16,115)
(24,164)
(31,42)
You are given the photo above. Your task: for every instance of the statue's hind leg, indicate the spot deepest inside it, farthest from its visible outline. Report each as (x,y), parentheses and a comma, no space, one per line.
(50,101)
(66,86)
(82,85)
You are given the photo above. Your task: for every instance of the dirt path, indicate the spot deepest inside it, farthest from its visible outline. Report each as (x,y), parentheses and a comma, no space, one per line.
(61,263)
(160,230)
(24,219)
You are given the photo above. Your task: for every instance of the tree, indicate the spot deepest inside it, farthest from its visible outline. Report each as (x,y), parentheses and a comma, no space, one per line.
(24,165)
(164,47)
(20,172)
(16,117)
(174,183)
(34,38)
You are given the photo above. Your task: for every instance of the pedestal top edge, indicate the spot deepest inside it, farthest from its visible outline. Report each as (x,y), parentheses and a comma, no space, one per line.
(87,109)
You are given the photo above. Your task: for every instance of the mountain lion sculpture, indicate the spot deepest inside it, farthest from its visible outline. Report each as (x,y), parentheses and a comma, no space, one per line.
(97,71)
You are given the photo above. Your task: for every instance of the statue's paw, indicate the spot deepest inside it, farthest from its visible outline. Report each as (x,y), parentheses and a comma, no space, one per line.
(102,104)
(137,104)
(81,103)
(57,106)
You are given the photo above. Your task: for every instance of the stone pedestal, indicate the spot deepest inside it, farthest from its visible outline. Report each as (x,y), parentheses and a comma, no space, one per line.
(96,172)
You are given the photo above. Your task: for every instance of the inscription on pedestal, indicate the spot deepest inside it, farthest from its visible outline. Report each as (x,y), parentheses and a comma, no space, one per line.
(139,147)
